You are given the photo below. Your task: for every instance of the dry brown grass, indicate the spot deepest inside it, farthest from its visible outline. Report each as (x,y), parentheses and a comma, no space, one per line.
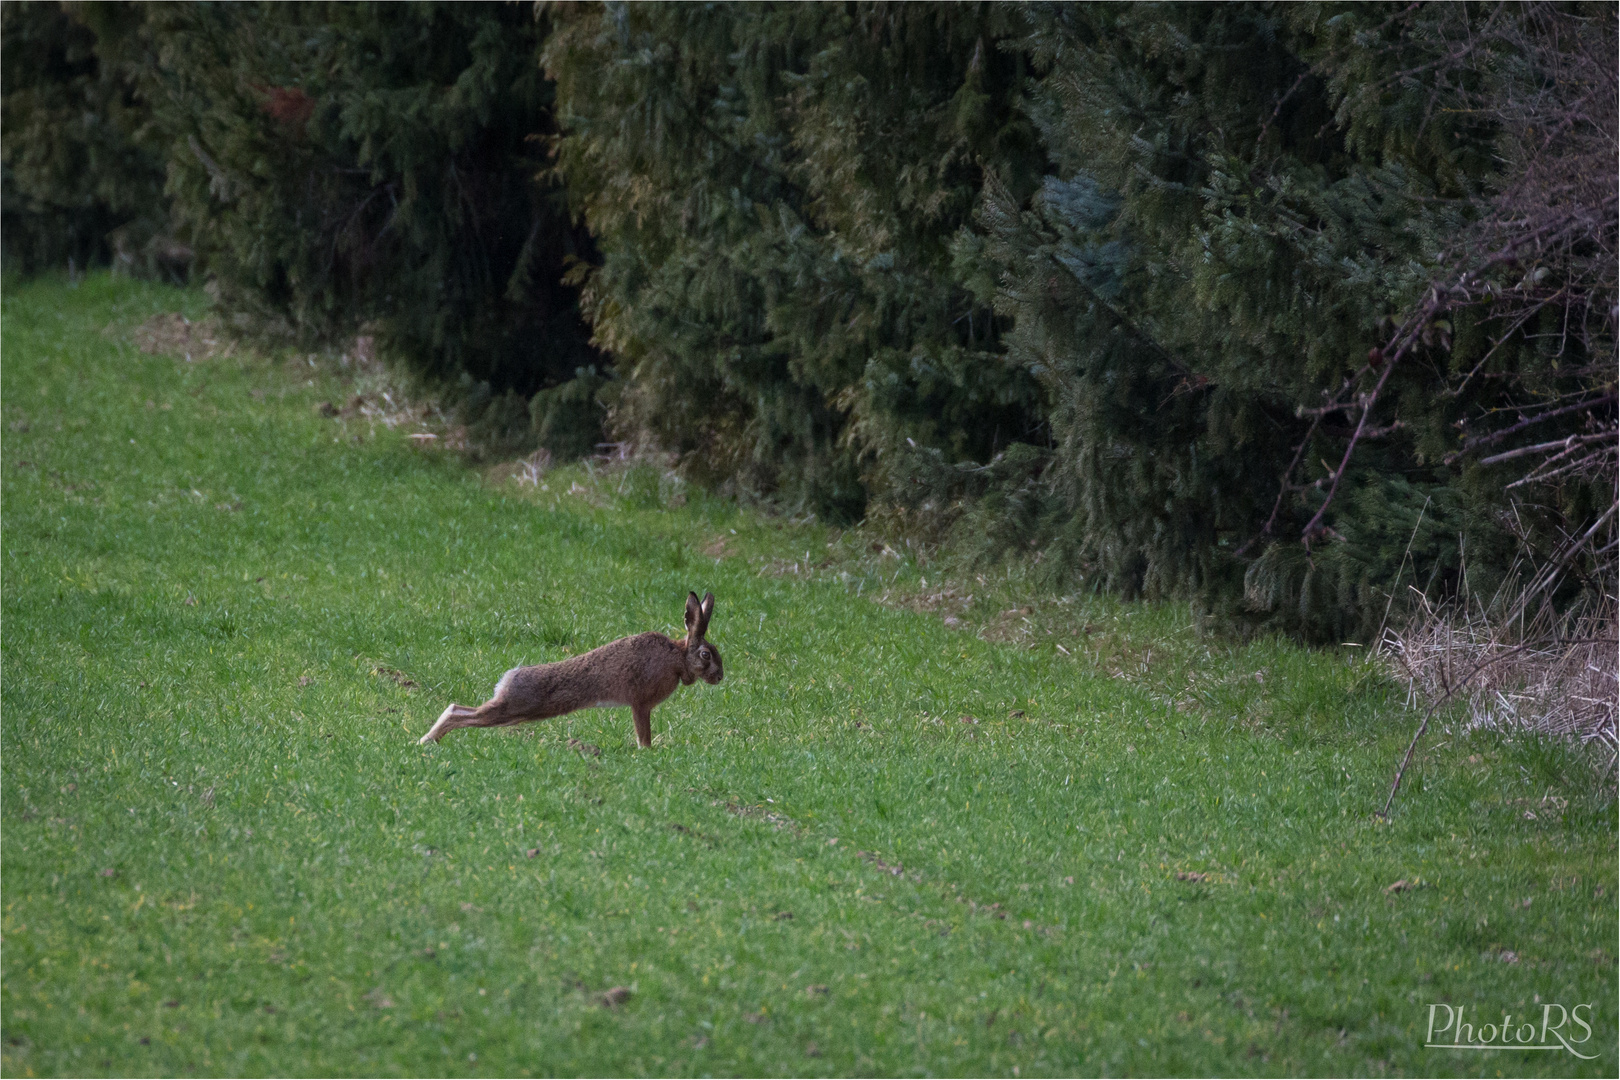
(1555,680)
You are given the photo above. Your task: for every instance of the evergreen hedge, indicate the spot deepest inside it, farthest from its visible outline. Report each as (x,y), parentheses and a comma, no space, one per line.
(379,166)
(1244,202)
(1104,285)
(77,186)
(1280,307)
(774,191)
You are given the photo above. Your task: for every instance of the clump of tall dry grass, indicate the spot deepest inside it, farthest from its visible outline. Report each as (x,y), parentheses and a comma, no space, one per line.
(1553,677)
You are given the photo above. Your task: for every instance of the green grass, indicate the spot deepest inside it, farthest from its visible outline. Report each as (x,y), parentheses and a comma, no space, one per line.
(225,853)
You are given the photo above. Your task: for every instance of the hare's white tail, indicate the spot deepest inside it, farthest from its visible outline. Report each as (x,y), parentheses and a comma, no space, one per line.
(506,680)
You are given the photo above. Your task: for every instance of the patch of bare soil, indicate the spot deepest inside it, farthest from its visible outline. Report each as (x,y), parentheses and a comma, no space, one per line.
(949,603)
(382,408)
(172,334)
(376,402)
(1050,621)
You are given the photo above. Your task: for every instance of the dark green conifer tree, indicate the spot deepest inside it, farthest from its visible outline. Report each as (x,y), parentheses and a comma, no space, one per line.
(75,182)
(370,164)
(773,190)
(1267,305)
(1232,228)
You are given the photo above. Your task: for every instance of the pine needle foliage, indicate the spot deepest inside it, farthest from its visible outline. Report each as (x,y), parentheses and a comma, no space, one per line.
(76,184)
(1279,307)
(773,190)
(374,166)
(1234,223)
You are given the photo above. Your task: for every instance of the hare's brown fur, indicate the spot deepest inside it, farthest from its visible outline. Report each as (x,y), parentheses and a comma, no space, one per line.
(638,671)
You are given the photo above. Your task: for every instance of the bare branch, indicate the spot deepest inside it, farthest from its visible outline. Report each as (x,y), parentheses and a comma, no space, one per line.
(1565,444)
(1498,436)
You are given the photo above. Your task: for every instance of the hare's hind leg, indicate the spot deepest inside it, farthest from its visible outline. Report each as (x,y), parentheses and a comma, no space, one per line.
(496,712)
(491,713)
(448,721)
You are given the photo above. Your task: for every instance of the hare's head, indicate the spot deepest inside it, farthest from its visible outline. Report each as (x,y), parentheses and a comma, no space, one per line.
(702,659)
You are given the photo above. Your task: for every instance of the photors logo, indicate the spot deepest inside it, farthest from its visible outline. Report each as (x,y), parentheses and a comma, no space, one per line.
(1555,1031)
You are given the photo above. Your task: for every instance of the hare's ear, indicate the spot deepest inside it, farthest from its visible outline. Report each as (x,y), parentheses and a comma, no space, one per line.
(705,610)
(693,615)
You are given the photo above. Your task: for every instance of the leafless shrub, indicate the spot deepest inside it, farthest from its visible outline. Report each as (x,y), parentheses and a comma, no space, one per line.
(1553,96)
(1538,261)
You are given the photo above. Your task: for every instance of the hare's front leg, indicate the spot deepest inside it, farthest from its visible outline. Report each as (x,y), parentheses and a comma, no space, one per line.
(642,715)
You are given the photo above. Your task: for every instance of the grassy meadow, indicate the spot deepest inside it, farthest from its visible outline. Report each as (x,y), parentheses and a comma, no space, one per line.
(912,832)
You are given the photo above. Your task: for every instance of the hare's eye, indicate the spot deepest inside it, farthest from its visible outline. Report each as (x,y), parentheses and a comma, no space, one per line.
(703,654)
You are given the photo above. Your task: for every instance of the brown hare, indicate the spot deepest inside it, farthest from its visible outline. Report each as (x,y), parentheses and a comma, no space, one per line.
(639,671)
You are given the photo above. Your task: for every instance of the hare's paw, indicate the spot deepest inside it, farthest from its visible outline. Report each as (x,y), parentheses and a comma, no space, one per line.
(442,725)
